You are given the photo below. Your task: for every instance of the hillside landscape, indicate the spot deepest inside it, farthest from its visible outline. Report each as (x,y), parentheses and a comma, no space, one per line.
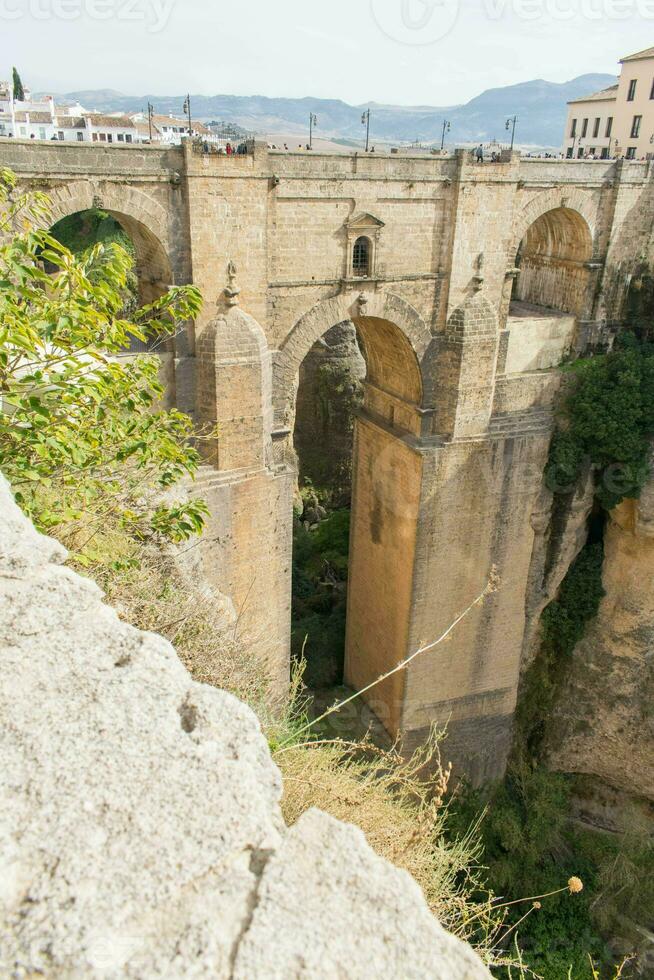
(540,107)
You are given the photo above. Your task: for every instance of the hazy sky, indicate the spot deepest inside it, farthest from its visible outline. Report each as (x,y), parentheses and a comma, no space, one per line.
(434,52)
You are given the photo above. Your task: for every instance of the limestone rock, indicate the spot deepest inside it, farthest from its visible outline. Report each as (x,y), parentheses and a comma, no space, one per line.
(603,725)
(141,834)
(324,885)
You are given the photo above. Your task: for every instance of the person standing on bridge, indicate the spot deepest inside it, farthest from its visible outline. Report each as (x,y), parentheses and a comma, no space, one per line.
(479,154)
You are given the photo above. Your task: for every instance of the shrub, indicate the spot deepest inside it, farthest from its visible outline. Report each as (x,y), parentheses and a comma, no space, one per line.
(608,420)
(81,437)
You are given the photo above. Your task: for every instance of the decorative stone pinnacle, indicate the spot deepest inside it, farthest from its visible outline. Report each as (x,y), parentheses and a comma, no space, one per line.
(478,279)
(232,290)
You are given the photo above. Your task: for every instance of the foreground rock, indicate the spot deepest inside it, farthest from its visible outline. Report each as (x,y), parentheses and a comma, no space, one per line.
(140,828)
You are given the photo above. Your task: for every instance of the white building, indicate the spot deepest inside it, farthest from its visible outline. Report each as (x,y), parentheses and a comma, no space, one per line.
(112,128)
(41,119)
(27,118)
(170,129)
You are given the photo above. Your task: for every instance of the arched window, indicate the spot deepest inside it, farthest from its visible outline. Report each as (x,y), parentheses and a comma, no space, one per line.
(361,257)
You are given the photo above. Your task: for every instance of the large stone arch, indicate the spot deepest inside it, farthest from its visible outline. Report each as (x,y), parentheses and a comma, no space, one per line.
(393,334)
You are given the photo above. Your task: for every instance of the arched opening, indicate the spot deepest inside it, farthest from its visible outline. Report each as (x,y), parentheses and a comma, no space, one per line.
(354,535)
(552,259)
(361,256)
(151,274)
(550,290)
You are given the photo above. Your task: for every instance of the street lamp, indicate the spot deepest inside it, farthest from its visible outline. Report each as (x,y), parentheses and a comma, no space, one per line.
(150,115)
(313,121)
(365,121)
(187,109)
(446,128)
(510,124)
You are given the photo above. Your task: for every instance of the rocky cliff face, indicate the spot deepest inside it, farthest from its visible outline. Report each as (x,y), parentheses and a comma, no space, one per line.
(141,833)
(604,716)
(560,529)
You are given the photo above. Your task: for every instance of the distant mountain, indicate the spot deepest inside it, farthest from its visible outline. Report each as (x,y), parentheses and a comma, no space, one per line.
(540,107)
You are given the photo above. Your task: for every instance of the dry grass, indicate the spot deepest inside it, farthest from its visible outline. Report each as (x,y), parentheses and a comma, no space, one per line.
(401,810)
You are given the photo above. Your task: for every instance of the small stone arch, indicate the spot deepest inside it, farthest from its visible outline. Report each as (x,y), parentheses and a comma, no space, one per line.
(384,322)
(142,218)
(554,261)
(572,200)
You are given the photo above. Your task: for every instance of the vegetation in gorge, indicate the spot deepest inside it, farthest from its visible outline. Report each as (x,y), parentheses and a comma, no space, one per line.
(607,422)
(320,558)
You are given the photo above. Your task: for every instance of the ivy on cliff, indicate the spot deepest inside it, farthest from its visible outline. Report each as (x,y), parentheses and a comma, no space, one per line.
(607,422)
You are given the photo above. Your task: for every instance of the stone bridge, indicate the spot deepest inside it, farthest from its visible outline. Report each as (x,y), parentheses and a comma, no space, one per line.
(468,285)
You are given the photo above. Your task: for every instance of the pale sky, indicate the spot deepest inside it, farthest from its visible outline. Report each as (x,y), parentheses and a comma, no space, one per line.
(410,52)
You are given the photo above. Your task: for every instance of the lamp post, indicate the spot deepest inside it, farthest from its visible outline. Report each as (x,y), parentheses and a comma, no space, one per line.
(150,115)
(446,128)
(313,121)
(365,121)
(510,124)
(187,109)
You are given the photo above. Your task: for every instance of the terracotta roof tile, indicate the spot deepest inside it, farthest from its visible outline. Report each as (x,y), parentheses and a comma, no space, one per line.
(115,122)
(605,95)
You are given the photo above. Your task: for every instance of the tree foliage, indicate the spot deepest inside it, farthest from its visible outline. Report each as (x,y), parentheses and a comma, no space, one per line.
(19,91)
(82,434)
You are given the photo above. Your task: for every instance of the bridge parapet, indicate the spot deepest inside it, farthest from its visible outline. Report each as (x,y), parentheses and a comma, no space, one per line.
(55,158)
